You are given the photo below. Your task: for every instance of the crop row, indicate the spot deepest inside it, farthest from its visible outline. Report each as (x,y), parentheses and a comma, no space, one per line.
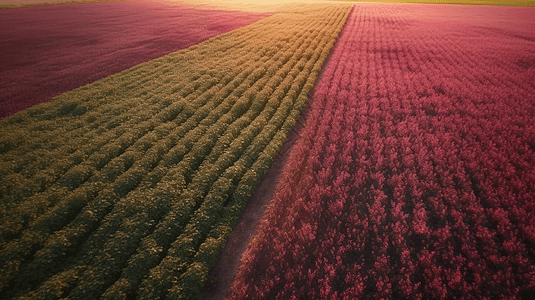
(413,177)
(122,36)
(129,187)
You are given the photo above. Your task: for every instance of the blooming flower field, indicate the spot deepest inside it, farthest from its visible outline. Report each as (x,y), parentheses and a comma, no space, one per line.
(414,174)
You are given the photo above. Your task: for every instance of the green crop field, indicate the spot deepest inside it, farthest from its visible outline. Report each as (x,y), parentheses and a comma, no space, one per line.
(131,185)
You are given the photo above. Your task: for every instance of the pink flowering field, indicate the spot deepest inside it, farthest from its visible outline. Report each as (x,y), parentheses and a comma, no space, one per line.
(413,177)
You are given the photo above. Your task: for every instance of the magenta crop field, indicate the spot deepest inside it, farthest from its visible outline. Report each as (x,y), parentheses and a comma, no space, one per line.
(50,50)
(414,175)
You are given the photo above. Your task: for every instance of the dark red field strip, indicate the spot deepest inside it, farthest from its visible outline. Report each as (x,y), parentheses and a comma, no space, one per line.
(413,176)
(46,51)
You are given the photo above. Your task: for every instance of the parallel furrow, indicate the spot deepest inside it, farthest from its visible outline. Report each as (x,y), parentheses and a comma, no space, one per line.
(170,151)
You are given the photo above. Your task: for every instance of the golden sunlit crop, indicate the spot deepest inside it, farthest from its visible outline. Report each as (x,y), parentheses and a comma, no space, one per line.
(132,184)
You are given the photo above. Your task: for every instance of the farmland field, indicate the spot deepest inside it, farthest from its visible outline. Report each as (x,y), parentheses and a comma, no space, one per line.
(128,187)
(55,49)
(411,176)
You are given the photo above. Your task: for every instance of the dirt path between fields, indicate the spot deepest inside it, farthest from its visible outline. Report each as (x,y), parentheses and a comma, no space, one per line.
(224,271)
(229,259)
